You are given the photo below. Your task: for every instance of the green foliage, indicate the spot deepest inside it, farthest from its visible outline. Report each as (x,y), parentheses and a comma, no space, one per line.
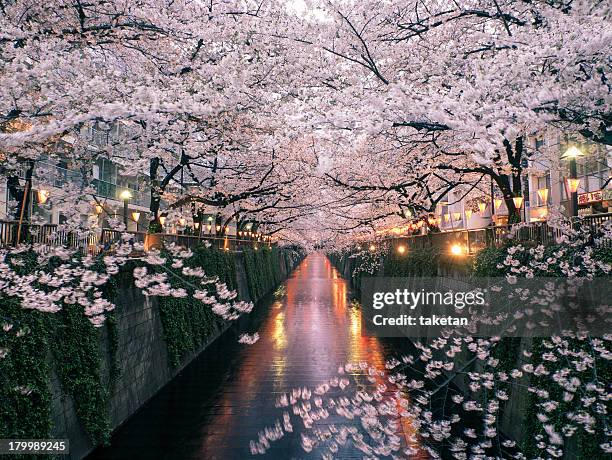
(415,262)
(188,322)
(78,364)
(486,261)
(65,341)
(24,372)
(262,269)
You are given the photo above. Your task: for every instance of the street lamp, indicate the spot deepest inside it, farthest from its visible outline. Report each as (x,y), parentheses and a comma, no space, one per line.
(43,196)
(543,194)
(571,154)
(518,203)
(481,207)
(125,196)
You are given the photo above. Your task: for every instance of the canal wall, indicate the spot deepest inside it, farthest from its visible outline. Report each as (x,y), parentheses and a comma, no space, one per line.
(153,339)
(518,415)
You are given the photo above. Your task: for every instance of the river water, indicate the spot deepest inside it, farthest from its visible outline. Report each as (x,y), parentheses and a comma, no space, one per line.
(220,402)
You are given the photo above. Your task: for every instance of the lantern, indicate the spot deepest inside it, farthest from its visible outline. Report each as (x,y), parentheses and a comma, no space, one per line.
(482,206)
(135,216)
(518,201)
(43,196)
(468,214)
(543,194)
(162,220)
(572,184)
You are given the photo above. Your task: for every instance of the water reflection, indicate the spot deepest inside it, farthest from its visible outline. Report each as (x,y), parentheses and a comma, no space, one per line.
(232,390)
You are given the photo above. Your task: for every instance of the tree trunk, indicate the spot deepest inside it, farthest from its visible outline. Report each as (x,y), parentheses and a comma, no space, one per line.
(154,223)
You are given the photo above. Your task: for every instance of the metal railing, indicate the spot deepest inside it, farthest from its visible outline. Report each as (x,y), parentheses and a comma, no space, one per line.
(93,243)
(473,240)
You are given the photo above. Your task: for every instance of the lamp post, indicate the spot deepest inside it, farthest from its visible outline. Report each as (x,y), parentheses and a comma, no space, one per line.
(125,196)
(571,154)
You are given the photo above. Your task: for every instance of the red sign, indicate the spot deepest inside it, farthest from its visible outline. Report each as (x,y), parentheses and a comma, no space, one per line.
(590,197)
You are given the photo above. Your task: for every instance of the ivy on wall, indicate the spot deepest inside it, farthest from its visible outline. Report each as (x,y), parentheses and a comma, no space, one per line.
(187,322)
(24,372)
(262,270)
(420,262)
(33,343)
(508,350)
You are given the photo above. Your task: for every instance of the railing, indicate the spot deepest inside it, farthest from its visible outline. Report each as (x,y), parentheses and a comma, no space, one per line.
(473,240)
(49,235)
(53,236)
(229,243)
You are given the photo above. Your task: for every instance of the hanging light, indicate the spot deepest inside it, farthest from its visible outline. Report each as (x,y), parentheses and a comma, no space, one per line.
(372,248)
(456,216)
(43,196)
(210,218)
(98,209)
(401,249)
(543,194)
(572,184)
(407,213)
(446,217)
(468,214)
(572,152)
(226,229)
(135,216)
(218,227)
(518,201)
(182,221)
(209,227)
(497,202)
(125,195)
(196,225)
(482,206)
(162,220)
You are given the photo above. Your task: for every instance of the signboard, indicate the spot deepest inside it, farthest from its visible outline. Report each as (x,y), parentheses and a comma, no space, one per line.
(606,195)
(590,197)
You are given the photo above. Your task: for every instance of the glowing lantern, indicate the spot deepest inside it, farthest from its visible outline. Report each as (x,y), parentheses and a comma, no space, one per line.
(518,201)
(572,153)
(162,220)
(43,196)
(482,206)
(401,249)
(543,194)
(98,209)
(572,184)
(182,221)
(372,248)
(468,214)
(196,225)
(497,203)
(135,216)
(456,216)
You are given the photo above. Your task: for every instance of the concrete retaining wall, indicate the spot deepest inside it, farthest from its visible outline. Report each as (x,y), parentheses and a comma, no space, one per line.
(142,355)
